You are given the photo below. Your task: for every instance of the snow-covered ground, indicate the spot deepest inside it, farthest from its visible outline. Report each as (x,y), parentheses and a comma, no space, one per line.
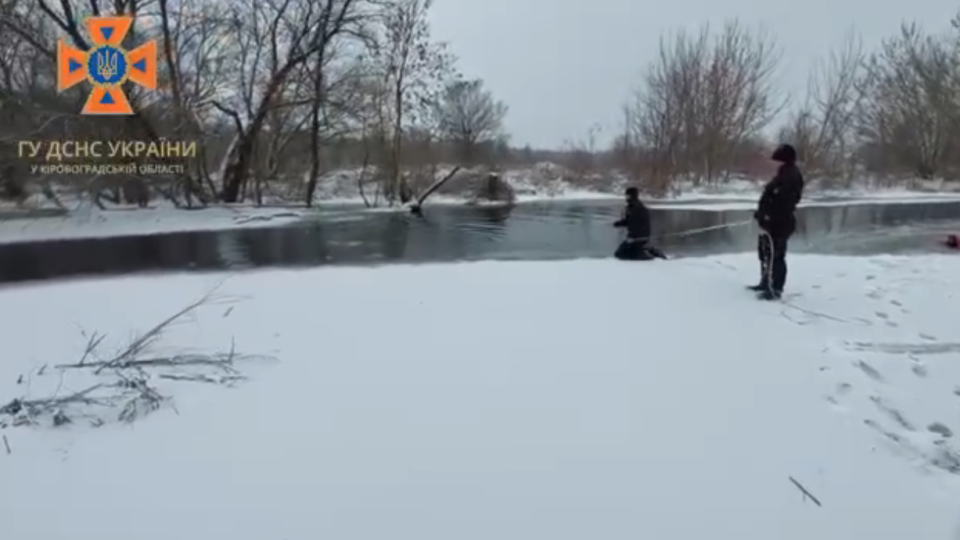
(572,400)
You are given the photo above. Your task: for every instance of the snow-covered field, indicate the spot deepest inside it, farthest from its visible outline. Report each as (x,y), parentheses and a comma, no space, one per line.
(572,400)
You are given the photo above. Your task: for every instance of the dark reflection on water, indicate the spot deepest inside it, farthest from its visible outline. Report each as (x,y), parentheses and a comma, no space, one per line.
(529,231)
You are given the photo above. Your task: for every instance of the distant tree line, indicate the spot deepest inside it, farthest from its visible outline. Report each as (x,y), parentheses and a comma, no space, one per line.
(279,93)
(889,114)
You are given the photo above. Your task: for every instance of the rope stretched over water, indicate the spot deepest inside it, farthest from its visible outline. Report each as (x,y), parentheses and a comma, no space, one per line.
(691,232)
(767,269)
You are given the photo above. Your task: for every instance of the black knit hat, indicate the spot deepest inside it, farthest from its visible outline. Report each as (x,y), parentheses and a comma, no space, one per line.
(785,154)
(632,192)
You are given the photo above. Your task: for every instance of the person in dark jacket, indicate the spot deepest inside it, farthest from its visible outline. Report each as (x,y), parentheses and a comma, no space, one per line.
(953,241)
(777,220)
(636,219)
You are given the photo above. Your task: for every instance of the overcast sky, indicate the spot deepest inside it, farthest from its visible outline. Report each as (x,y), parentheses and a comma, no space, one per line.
(565,65)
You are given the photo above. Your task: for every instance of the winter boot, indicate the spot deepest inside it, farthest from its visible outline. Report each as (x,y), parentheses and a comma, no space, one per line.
(769,294)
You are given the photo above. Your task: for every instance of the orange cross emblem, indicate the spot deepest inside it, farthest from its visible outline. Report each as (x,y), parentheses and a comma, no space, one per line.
(107,65)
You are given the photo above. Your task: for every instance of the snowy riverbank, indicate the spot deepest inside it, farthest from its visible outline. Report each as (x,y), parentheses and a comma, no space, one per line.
(88,222)
(533,402)
(530,185)
(95,223)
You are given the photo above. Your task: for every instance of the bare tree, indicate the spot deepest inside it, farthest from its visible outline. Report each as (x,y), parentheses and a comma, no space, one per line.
(276,37)
(911,108)
(581,156)
(823,127)
(411,70)
(334,21)
(195,54)
(654,123)
(704,99)
(468,116)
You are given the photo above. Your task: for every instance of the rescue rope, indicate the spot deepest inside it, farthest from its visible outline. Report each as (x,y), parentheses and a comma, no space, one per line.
(767,270)
(768,280)
(767,263)
(692,232)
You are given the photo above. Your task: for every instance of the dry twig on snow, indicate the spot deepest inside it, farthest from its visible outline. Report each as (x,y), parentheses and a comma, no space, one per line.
(806,494)
(124,380)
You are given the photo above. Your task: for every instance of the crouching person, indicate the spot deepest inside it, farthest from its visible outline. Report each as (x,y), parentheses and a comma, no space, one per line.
(636,219)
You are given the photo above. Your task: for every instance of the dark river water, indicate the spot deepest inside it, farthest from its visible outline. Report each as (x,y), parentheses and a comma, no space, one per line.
(534,231)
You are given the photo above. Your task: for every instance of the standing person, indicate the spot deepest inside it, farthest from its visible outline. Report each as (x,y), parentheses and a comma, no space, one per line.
(776,217)
(636,219)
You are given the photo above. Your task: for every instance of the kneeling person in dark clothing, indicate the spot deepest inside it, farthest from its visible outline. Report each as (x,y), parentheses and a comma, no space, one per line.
(776,216)
(636,219)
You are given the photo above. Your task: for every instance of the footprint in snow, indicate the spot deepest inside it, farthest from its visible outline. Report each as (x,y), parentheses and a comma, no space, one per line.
(919,369)
(899,305)
(841,391)
(940,429)
(941,456)
(888,434)
(927,337)
(869,370)
(892,413)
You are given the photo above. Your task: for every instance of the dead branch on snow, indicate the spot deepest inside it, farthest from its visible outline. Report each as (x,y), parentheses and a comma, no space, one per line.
(123,386)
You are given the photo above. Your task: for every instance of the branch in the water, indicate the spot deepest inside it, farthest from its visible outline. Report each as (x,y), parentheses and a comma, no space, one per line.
(416,207)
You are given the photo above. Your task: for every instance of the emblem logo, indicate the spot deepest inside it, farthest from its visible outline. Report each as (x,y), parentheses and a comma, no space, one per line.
(107,65)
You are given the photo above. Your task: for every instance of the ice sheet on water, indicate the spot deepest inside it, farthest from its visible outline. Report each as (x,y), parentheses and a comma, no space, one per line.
(94,223)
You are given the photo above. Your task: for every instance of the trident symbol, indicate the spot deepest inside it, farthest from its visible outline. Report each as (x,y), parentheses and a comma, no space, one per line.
(112,66)
(107,64)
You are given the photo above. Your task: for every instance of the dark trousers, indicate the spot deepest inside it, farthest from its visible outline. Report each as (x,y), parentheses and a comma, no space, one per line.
(637,250)
(772,251)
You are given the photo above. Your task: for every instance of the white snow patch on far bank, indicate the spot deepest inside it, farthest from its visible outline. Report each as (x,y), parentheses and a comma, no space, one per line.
(94,223)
